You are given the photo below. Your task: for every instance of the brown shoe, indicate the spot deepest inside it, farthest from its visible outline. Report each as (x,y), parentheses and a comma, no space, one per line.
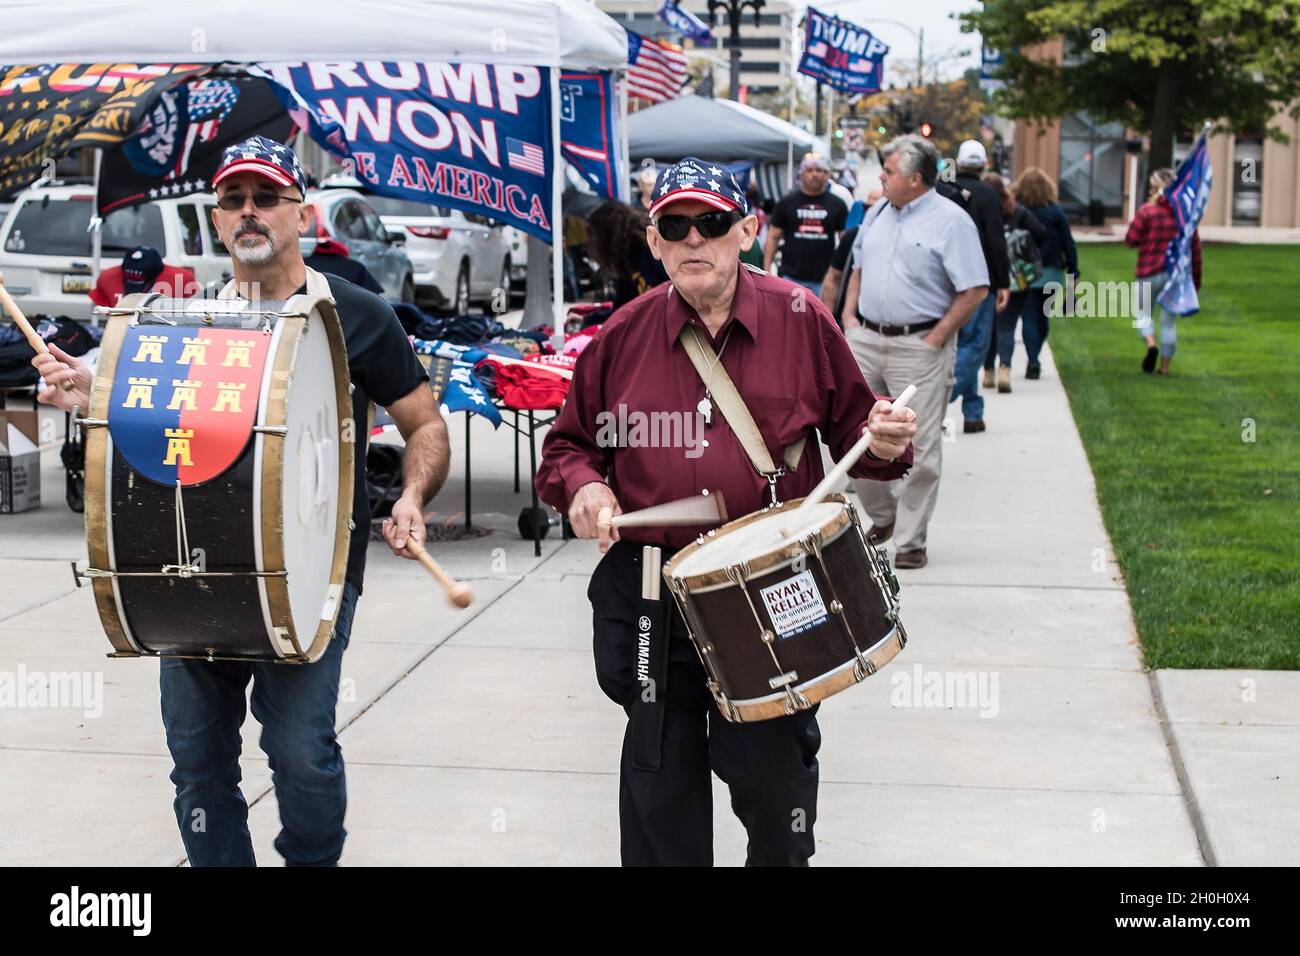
(1004,379)
(910,559)
(880,532)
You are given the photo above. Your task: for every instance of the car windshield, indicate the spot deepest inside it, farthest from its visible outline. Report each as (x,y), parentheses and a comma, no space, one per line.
(57,227)
(388,206)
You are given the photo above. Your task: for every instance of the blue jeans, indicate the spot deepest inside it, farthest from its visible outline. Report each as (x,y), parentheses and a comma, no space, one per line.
(814,287)
(203,709)
(972,345)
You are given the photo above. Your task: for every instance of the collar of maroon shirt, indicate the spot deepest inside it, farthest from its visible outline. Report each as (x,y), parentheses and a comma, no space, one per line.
(744,308)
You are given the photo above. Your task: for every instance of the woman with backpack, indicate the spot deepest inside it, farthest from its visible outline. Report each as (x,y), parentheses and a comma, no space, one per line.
(1152,230)
(1025,235)
(1036,190)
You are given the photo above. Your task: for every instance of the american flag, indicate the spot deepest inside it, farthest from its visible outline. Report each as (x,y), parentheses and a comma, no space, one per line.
(526,156)
(656,69)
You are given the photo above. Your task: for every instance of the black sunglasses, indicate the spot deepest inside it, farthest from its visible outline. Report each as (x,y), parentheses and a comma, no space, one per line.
(262,200)
(711,225)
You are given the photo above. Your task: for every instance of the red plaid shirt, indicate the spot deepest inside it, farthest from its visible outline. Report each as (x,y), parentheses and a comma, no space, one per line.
(1151,231)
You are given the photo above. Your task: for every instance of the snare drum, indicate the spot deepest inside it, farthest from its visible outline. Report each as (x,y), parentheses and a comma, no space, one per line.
(219,473)
(783,622)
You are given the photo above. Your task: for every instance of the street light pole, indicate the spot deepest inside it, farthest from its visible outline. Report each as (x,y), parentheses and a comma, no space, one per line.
(734,9)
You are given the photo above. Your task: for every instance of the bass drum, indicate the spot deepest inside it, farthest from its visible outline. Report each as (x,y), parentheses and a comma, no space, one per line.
(219,478)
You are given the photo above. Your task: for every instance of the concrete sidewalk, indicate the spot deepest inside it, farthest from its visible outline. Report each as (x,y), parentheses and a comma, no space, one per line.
(480,736)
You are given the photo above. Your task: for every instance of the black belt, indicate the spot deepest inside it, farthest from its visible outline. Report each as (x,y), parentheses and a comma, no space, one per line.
(900,329)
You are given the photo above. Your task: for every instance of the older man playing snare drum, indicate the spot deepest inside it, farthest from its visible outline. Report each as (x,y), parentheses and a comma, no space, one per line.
(795,372)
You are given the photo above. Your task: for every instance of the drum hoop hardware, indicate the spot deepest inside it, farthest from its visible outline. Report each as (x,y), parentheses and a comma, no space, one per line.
(702,647)
(862,667)
(93,573)
(271,429)
(739,573)
(771,477)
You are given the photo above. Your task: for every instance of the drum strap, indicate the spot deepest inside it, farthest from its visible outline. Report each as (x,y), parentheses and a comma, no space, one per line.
(734,409)
(317,284)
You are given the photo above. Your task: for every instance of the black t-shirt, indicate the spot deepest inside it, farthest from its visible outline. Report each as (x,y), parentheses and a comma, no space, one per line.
(347,267)
(647,272)
(808,225)
(383,368)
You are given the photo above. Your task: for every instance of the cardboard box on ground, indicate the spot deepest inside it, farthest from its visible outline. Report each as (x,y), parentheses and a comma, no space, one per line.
(20,461)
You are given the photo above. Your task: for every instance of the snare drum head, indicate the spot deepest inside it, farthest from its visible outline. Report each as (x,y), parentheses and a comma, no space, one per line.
(752,537)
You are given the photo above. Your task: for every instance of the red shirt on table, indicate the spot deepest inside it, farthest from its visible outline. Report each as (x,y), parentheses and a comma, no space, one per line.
(787,358)
(176,282)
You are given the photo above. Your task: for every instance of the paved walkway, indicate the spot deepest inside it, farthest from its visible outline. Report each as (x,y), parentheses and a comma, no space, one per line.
(480,737)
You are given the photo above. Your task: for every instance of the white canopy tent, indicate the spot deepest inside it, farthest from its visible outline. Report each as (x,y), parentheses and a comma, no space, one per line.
(565,33)
(568,34)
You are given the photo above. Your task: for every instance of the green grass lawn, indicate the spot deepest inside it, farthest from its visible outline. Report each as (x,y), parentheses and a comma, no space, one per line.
(1206,525)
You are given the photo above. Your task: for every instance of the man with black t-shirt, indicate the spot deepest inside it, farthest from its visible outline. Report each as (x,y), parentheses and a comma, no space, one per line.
(260,188)
(806,224)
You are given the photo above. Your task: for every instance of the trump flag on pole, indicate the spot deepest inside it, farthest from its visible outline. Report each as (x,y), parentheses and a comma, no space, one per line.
(841,54)
(1187,194)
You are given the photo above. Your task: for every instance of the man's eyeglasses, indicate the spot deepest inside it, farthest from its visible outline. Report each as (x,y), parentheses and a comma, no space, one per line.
(711,225)
(266,199)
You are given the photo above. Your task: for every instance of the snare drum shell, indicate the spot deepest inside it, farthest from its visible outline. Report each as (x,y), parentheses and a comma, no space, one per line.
(238,519)
(729,636)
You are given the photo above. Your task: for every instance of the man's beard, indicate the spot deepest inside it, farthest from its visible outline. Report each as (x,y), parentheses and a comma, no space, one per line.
(258,255)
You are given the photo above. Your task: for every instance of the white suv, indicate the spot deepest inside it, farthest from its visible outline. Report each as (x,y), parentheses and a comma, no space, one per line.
(45,249)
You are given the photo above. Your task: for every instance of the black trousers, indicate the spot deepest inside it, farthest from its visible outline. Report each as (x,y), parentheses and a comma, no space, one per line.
(666,817)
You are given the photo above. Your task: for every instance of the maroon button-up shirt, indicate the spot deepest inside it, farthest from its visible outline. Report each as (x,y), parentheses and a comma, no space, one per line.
(786,356)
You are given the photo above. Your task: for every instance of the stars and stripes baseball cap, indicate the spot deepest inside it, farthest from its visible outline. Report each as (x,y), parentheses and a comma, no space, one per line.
(263,156)
(693,178)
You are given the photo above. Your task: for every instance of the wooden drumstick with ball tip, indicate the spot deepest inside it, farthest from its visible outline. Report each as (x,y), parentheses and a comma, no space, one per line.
(20,320)
(458,592)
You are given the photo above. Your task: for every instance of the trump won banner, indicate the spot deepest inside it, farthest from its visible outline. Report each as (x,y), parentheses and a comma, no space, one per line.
(841,54)
(473,136)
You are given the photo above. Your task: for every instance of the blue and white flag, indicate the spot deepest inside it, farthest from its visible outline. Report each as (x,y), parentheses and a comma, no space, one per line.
(588,128)
(473,136)
(842,54)
(1188,195)
(684,22)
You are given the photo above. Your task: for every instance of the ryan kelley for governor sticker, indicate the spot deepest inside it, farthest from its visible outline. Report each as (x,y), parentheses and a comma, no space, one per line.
(794,605)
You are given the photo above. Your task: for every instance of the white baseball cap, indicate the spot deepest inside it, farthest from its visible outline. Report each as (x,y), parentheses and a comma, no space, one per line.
(971,153)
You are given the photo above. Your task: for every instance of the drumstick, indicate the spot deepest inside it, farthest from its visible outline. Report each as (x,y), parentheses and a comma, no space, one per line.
(841,469)
(36,342)
(698,509)
(458,592)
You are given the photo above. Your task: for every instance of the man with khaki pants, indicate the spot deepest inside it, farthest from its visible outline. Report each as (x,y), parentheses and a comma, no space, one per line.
(918,276)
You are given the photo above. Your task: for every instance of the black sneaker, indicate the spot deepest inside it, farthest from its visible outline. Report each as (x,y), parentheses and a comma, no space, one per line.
(977,425)
(1034,371)
(1149,363)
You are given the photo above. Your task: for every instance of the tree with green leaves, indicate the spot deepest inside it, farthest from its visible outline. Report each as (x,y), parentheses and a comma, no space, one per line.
(1163,66)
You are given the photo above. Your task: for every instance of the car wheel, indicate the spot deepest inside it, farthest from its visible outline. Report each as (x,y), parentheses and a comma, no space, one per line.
(408,290)
(461,303)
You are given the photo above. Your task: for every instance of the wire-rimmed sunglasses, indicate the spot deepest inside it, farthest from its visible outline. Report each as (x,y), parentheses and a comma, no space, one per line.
(711,225)
(262,199)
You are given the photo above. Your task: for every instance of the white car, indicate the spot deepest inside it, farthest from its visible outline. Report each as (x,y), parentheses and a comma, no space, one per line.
(349,217)
(458,257)
(45,248)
